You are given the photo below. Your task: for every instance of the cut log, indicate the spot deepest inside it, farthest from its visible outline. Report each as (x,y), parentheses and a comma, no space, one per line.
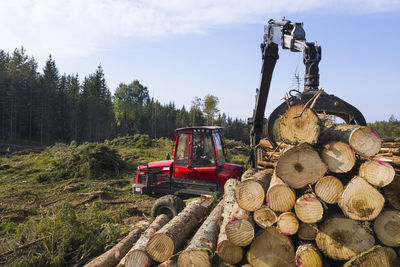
(307,255)
(287,223)
(172,262)
(387,228)
(299,125)
(250,193)
(307,231)
(280,197)
(309,209)
(240,231)
(378,173)
(329,189)
(365,141)
(339,157)
(202,246)
(392,192)
(115,254)
(300,165)
(137,255)
(265,217)
(360,200)
(163,244)
(248,173)
(267,164)
(226,250)
(343,238)
(376,256)
(271,248)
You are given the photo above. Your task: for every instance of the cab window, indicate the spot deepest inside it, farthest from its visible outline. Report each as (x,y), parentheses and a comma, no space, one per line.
(182,150)
(202,150)
(218,148)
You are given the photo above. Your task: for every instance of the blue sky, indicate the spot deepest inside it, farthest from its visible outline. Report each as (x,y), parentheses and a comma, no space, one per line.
(182,49)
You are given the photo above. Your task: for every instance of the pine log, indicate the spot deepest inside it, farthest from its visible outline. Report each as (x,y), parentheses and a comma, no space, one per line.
(299,125)
(271,248)
(248,173)
(287,223)
(307,231)
(267,164)
(240,231)
(392,192)
(201,248)
(250,193)
(365,141)
(265,217)
(137,255)
(360,200)
(226,250)
(329,189)
(280,197)
(166,241)
(309,209)
(339,157)
(343,238)
(387,228)
(375,256)
(116,253)
(300,165)
(307,255)
(378,173)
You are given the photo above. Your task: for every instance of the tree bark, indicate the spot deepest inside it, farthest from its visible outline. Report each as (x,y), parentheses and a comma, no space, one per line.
(360,200)
(365,141)
(287,223)
(265,217)
(307,255)
(309,209)
(299,125)
(339,157)
(165,242)
(202,246)
(115,254)
(329,189)
(300,165)
(378,173)
(376,256)
(280,197)
(343,238)
(137,255)
(271,248)
(387,228)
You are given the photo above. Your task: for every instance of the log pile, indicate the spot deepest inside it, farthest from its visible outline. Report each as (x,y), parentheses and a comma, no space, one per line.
(328,196)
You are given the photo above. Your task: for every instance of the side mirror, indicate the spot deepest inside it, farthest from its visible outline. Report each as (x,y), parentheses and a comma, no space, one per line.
(168,156)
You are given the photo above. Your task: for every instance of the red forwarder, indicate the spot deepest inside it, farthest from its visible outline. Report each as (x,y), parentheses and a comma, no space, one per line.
(198,167)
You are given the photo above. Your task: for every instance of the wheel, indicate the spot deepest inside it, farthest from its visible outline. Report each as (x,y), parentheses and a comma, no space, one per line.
(170,205)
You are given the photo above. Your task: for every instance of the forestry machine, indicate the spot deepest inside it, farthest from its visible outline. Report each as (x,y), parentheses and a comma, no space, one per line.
(291,35)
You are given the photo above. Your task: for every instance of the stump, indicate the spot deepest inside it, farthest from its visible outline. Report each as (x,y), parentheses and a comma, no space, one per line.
(307,231)
(378,173)
(343,238)
(387,228)
(309,209)
(307,255)
(339,157)
(300,165)
(280,197)
(265,217)
(360,200)
(287,223)
(166,241)
(329,189)
(364,141)
(299,125)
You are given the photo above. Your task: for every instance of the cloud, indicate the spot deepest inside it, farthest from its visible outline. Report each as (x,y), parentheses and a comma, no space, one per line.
(69,28)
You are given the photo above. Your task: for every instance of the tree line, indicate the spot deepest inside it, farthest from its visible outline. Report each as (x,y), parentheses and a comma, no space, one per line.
(47,107)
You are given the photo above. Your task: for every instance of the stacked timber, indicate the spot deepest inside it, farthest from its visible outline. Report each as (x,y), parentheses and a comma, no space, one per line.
(329,195)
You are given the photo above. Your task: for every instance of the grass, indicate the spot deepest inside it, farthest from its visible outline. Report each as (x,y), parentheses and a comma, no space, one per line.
(43,198)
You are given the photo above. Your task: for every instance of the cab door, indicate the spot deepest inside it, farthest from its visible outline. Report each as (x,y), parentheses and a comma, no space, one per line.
(202,157)
(181,157)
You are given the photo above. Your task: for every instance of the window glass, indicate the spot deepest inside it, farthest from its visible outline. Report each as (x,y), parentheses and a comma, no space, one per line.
(202,150)
(182,150)
(218,148)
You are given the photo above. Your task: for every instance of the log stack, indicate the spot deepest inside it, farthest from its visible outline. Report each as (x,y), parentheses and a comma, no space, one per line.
(329,195)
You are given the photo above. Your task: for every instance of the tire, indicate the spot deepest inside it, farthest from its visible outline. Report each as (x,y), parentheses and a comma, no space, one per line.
(170,205)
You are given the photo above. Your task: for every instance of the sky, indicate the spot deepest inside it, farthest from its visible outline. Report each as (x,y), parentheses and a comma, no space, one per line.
(180,49)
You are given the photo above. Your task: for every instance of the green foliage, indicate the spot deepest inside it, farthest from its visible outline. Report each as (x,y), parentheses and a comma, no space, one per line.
(210,107)
(390,128)
(137,140)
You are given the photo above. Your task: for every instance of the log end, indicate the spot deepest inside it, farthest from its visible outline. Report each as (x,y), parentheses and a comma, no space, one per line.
(229,253)
(387,228)
(378,173)
(280,198)
(365,141)
(265,217)
(339,157)
(160,247)
(240,232)
(309,209)
(137,258)
(329,189)
(249,194)
(194,258)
